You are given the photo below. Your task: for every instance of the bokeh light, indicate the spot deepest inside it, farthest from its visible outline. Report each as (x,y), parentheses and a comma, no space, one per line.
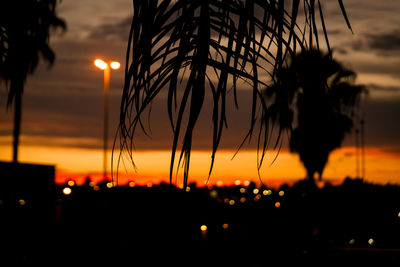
(67,191)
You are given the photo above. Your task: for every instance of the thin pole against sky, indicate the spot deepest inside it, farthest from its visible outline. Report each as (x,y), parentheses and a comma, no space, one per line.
(105,133)
(115,65)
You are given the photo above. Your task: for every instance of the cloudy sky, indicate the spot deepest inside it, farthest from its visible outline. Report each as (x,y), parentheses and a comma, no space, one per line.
(63,106)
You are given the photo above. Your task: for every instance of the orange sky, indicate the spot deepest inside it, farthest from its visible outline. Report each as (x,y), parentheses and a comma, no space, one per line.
(153,166)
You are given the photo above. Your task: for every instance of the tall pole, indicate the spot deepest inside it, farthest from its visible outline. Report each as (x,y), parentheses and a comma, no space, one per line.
(357,134)
(106,67)
(362,150)
(105,135)
(17,116)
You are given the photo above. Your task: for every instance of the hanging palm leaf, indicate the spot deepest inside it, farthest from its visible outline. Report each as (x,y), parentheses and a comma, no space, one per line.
(186,47)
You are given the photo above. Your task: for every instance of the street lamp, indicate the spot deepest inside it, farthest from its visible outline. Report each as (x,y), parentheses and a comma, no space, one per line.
(106,66)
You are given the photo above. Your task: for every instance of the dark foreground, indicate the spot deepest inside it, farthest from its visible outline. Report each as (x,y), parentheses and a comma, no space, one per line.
(351,224)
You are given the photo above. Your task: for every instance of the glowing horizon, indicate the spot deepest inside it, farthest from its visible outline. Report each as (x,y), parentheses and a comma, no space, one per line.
(153,165)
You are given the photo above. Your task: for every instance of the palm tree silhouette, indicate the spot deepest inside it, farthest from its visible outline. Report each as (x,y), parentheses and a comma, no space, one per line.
(186,47)
(25,28)
(325,98)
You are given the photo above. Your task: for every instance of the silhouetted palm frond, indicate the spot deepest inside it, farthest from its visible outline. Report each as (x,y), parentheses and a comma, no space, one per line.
(186,47)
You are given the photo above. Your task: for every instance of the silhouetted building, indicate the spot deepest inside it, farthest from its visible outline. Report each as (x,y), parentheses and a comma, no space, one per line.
(27,209)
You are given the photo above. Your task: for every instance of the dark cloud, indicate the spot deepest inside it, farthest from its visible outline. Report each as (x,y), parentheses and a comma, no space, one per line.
(382,122)
(238,121)
(384,41)
(377,87)
(364,61)
(80,115)
(340,50)
(358,44)
(72,114)
(115,30)
(63,114)
(383,44)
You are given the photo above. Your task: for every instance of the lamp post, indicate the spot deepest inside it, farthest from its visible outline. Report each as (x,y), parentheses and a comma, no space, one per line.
(106,66)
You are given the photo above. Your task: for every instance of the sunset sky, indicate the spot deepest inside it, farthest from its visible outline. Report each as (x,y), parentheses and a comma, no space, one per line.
(62,120)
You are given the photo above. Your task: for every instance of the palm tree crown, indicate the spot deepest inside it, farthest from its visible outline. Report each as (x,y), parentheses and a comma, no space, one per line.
(25,28)
(325,98)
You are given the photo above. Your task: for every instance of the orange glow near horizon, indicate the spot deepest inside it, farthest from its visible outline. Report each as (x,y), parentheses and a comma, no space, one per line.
(153,166)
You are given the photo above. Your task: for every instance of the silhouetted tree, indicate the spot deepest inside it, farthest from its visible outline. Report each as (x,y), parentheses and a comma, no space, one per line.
(199,45)
(325,98)
(25,27)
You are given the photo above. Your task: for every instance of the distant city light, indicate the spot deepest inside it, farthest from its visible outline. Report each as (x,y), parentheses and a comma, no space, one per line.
(352,241)
(214,193)
(281,193)
(231,202)
(237,182)
(242,190)
(277,204)
(255,191)
(242,200)
(67,191)
(203,228)
(71,183)
(22,202)
(320,184)
(220,183)
(246,183)
(371,241)
(225,226)
(110,185)
(132,184)
(267,192)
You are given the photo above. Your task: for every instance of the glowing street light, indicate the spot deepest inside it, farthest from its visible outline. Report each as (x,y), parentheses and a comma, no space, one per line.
(100,64)
(115,65)
(106,66)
